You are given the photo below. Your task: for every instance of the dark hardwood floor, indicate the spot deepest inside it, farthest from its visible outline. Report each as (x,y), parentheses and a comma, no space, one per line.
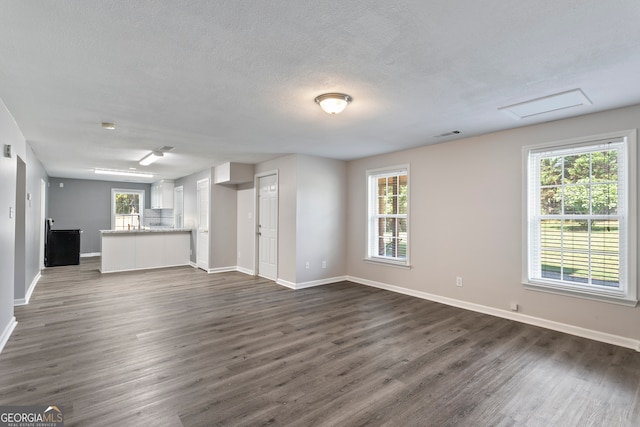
(179,347)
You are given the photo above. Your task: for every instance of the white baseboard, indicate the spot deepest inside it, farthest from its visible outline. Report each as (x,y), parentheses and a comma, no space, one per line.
(285,283)
(7,332)
(505,314)
(245,271)
(312,283)
(90,254)
(320,282)
(193,264)
(141,269)
(221,269)
(27,297)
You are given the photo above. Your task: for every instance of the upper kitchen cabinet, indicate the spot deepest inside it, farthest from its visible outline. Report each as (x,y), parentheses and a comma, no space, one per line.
(162,194)
(233,173)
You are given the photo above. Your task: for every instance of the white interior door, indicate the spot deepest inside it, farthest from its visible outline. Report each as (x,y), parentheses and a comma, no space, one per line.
(178,207)
(202,240)
(268,226)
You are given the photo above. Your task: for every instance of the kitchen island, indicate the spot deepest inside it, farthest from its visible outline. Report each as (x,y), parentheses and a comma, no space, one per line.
(126,250)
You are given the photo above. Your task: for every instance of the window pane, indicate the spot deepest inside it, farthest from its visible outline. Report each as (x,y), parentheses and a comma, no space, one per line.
(392,185)
(576,199)
(402,203)
(604,165)
(605,259)
(390,228)
(127,203)
(576,168)
(389,208)
(604,199)
(551,171)
(575,267)
(551,201)
(392,205)
(382,205)
(551,261)
(550,234)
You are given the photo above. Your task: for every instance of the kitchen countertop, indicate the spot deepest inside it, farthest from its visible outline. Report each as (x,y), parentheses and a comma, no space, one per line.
(148,230)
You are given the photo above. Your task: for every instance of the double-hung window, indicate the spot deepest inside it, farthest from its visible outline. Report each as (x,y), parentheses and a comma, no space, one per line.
(388,215)
(580,217)
(127,207)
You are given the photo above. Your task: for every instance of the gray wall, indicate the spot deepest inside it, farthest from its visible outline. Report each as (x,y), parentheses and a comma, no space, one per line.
(321,218)
(466,207)
(86,205)
(20,236)
(190,196)
(223,231)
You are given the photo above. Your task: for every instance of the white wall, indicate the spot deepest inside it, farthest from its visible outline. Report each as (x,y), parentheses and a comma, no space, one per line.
(35,173)
(9,134)
(246,233)
(466,220)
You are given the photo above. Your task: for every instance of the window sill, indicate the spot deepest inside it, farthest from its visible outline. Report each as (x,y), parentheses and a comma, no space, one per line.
(595,295)
(380,261)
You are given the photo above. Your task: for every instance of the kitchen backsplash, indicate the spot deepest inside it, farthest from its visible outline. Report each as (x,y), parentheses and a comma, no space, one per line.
(158,218)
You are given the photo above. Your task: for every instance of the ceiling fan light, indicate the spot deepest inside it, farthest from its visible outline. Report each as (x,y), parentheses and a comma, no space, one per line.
(333,103)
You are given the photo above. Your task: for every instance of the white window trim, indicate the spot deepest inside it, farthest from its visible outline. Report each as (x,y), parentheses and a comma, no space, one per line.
(628,296)
(405,264)
(115,191)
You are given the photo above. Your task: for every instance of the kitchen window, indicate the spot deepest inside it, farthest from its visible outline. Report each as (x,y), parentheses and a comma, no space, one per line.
(580,218)
(388,215)
(127,207)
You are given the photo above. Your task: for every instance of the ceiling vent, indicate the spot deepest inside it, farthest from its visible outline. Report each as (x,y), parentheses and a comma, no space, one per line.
(546,104)
(164,149)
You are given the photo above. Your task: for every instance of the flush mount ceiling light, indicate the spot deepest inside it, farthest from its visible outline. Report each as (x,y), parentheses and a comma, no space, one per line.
(108,126)
(151,157)
(333,103)
(123,173)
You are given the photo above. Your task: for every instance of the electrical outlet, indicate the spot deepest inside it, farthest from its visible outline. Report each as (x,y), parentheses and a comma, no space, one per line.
(306,265)
(514,306)
(324,264)
(459,281)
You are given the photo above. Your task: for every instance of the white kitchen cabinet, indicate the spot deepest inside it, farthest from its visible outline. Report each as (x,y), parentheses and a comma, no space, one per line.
(162,194)
(126,250)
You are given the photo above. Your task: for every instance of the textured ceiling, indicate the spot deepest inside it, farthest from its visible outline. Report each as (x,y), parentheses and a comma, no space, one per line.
(235,81)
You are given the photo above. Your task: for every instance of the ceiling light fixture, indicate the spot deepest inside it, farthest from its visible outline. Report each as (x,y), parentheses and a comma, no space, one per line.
(333,103)
(108,126)
(122,173)
(151,157)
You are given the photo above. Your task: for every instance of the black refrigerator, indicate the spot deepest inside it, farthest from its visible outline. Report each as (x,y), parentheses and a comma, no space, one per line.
(62,247)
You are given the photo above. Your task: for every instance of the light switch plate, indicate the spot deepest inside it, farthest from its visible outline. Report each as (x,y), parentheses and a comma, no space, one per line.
(7,150)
